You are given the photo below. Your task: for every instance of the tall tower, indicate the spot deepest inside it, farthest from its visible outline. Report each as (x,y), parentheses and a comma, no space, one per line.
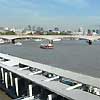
(80,29)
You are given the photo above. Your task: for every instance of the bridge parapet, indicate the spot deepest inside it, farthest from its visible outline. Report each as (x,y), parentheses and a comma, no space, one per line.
(56,74)
(49,37)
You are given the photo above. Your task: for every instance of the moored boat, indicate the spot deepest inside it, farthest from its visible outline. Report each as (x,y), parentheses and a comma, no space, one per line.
(1,41)
(37,40)
(57,40)
(18,43)
(47,46)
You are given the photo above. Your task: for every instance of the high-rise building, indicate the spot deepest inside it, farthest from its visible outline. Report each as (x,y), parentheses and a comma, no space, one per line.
(80,29)
(33,28)
(98,31)
(39,29)
(29,27)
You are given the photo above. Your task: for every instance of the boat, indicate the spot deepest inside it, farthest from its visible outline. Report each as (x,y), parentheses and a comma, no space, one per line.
(37,40)
(89,42)
(47,46)
(1,41)
(18,43)
(57,40)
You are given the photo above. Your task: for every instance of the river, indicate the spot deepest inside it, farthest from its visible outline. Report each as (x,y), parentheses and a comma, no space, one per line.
(76,56)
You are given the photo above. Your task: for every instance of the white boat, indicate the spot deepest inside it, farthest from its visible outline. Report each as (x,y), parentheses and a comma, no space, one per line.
(18,43)
(37,40)
(1,41)
(47,46)
(57,40)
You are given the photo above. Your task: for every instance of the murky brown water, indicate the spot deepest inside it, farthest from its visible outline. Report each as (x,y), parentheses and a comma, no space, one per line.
(3,96)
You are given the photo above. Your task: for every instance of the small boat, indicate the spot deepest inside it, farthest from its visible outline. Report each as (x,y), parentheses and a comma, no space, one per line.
(18,43)
(57,40)
(1,41)
(37,40)
(89,42)
(47,46)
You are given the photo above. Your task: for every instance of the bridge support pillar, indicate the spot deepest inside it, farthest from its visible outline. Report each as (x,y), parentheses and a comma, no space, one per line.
(11,79)
(13,41)
(2,72)
(30,90)
(16,86)
(50,97)
(6,80)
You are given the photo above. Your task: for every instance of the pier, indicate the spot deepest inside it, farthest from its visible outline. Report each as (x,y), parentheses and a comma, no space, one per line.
(22,78)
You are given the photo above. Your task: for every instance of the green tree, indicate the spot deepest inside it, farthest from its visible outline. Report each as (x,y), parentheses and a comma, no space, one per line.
(10,33)
(30,33)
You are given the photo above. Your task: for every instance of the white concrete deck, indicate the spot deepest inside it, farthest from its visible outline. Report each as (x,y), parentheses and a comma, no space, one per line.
(54,86)
(61,72)
(49,37)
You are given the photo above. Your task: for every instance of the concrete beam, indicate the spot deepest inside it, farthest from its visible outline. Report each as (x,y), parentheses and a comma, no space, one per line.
(2,72)
(16,86)
(6,80)
(30,90)
(38,72)
(73,87)
(23,68)
(11,78)
(49,97)
(51,79)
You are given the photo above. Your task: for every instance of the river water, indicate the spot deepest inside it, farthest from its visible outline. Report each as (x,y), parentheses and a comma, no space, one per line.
(73,55)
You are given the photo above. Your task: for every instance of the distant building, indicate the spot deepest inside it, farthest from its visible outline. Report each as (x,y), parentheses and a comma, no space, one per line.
(69,32)
(89,32)
(45,32)
(18,31)
(29,28)
(4,29)
(80,31)
(27,32)
(56,32)
(13,29)
(98,31)
(39,29)
(56,29)
(94,32)
(50,30)
(33,28)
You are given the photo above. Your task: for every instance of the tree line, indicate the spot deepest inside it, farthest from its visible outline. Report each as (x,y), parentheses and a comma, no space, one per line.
(8,33)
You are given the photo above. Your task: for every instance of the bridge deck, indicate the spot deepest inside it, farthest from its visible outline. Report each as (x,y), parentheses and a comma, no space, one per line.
(54,86)
(10,37)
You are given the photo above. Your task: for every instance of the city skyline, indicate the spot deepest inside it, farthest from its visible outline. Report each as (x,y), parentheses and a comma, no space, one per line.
(50,13)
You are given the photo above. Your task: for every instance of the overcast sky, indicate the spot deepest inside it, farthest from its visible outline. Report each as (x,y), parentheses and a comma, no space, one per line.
(50,13)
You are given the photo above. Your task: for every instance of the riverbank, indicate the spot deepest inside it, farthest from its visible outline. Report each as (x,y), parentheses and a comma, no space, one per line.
(3,96)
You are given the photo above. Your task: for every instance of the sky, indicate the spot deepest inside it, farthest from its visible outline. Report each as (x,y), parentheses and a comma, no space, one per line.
(50,13)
